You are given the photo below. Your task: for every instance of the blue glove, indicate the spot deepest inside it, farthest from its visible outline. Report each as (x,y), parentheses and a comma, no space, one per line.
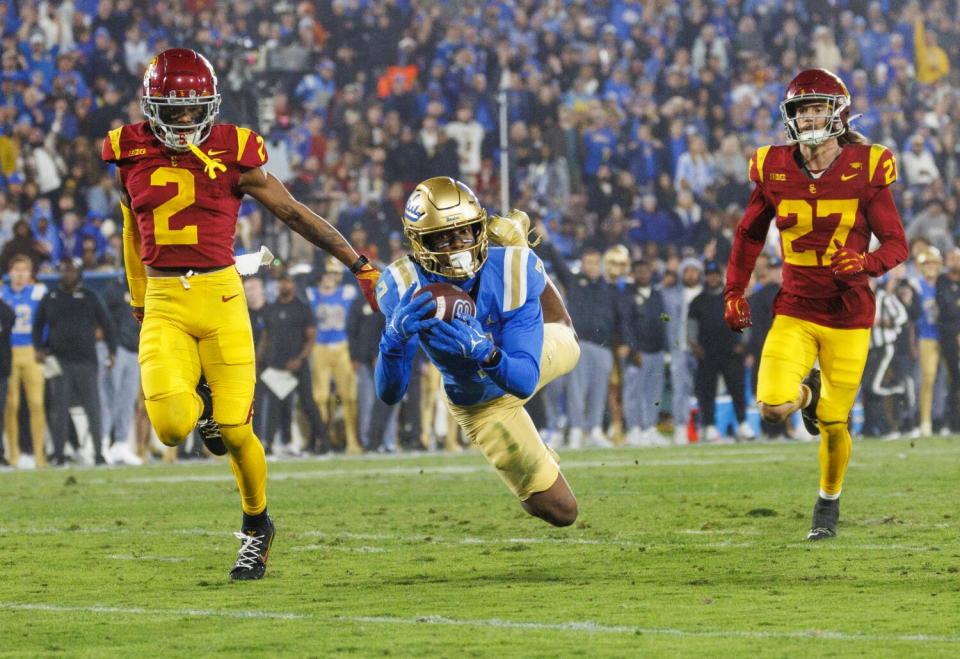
(411,315)
(463,338)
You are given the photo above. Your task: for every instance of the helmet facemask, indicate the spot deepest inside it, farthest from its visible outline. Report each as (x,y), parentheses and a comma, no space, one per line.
(160,111)
(832,118)
(456,264)
(438,205)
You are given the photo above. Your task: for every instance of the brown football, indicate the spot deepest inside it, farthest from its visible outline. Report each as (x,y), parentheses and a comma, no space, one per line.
(450,299)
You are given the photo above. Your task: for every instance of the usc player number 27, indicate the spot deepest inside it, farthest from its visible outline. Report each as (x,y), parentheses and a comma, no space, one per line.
(828,191)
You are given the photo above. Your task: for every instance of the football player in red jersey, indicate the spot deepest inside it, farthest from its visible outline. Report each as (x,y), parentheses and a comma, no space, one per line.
(181,178)
(828,192)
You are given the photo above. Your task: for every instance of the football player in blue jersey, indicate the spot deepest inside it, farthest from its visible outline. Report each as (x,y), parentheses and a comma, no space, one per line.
(521,338)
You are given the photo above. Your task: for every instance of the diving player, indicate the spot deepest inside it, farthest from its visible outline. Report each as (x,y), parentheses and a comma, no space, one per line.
(520,339)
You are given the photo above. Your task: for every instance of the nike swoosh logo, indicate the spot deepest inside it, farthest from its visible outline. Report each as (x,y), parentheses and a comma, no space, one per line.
(227,298)
(847,177)
(215,152)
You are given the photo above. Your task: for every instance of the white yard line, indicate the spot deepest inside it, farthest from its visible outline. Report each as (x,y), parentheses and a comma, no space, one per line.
(404,471)
(203,613)
(492,623)
(598,628)
(161,559)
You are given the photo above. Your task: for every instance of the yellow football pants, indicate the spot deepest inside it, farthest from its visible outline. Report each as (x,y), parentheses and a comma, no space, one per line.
(929,364)
(431,382)
(203,329)
(331,362)
(505,433)
(26,371)
(789,352)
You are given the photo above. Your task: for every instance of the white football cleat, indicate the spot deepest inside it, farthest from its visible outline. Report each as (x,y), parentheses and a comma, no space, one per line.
(121,453)
(680,436)
(598,439)
(654,438)
(635,438)
(711,435)
(745,432)
(575,439)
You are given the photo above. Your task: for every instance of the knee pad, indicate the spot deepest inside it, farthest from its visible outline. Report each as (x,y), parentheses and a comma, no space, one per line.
(174,417)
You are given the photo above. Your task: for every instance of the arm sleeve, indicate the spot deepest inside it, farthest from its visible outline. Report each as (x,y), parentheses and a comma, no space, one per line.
(886,225)
(136,272)
(394,364)
(748,242)
(518,371)
(394,367)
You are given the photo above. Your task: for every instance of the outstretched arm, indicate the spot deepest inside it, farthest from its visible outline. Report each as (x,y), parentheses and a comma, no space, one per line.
(270,192)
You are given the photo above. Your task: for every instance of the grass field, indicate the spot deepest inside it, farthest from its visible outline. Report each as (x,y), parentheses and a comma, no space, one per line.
(684,551)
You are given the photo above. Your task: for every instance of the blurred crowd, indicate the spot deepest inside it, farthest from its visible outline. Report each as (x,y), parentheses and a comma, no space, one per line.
(630,124)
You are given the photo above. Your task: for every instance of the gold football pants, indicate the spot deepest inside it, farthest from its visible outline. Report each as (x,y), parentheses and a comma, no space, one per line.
(201,325)
(26,371)
(789,352)
(503,430)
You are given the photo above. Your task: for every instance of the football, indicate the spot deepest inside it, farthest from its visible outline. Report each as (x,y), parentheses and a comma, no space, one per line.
(450,299)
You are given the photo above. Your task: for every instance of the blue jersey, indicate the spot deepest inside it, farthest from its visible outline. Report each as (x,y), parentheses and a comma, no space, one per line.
(927,321)
(24,304)
(507,292)
(330,310)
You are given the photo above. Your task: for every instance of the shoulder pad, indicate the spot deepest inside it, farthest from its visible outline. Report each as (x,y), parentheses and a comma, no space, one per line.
(397,278)
(523,277)
(755,168)
(127,142)
(883,166)
(236,144)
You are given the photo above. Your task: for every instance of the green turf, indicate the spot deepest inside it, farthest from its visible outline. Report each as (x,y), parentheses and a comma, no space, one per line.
(677,552)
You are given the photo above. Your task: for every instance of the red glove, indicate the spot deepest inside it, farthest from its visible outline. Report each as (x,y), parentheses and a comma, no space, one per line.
(368,276)
(846,262)
(736,312)
(137,314)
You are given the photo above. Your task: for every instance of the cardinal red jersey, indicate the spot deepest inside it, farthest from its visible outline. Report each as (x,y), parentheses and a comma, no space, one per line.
(850,201)
(185,206)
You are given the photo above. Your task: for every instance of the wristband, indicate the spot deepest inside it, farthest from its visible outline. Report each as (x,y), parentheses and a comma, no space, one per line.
(358,264)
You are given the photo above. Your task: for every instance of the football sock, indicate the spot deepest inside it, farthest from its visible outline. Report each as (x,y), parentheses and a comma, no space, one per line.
(835,446)
(249,464)
(255,521)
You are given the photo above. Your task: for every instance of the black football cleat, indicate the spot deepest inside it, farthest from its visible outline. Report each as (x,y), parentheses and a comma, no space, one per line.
(255,549)
(826,514)
(809,413)
(208,429)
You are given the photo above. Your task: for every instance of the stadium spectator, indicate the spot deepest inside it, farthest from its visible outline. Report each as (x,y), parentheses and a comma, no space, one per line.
(330,301)
(948,328)
(24,296)
(718,352)
(680,285)
(65,332)
(288,336)
(7,318)
(593,305)
(880,383)
(377,420)
(120,385)
(644,360)
(930,263)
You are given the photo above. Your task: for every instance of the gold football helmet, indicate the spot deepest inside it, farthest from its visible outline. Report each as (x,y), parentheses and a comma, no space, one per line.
(438,205)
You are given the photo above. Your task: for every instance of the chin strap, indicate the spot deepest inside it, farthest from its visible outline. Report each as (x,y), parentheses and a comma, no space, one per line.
(210,165)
